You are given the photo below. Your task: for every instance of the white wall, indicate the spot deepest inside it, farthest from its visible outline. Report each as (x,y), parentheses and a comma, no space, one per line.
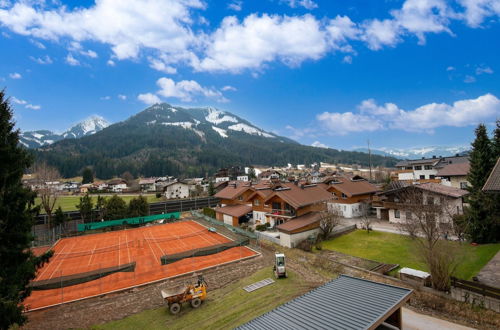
(242,178)
(452,206)
(347,210)
(291,240)
(259,216)
(221,179)
(177,190)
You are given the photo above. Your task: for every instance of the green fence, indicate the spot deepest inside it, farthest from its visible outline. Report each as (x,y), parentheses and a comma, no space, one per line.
(220,223)
(128,221)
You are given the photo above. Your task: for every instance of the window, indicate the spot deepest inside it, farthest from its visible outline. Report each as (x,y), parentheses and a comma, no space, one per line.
(408,215)
(432,176)
(422,177)
(256,202)
(344,196)
(428,167)
(418,167)
(276,206)
(397,215)
(463,185)
(408,168)
(240,198)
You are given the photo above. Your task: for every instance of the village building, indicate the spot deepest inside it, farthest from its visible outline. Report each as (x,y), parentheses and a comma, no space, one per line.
(234,207)
(425,169)
(177,189)
(454,175)
(117,185)
(147,184)
(492,184)
(392,206)
(351,196)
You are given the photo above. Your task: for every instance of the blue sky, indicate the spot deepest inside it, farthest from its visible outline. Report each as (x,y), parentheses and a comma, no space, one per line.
(400,73)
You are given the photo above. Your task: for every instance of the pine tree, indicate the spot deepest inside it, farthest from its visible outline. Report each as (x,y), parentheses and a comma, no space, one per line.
(17,263)
(211,188)
(496,141)
(138,206)
(116,208)
(88,176)
(85,206)
(482,227)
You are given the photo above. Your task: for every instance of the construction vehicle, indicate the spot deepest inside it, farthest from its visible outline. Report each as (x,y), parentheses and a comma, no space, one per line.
(279,266)
(195,294)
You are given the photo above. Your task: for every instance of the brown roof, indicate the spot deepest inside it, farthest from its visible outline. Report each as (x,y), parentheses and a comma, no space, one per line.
(458,169)
(233,190)
(350,187)
(442,189)
(300,222)
(300,197)
(493,182)
(237,210)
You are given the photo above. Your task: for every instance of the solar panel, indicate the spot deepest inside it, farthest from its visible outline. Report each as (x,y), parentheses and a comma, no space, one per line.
(258,285)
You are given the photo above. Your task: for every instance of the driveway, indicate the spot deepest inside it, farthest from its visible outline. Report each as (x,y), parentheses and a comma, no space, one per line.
(416,321)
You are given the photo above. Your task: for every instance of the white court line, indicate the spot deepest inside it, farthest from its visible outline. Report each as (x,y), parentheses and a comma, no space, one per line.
(65,246)
(152,238)
(128,250)
(119,249)
(151,248)
(92,254)
(60,262)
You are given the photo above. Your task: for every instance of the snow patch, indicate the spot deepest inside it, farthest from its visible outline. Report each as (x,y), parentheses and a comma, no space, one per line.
(249,130)
(216,117)
(173,110)
(152,122)
(38,136)
(222,132)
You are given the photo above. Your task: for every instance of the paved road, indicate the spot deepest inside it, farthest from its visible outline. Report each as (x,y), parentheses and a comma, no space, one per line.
(416,321)
(490,274)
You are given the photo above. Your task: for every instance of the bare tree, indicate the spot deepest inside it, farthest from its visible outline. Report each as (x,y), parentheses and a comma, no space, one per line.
(365,219)
(423,215)
(46,177)
(328,221)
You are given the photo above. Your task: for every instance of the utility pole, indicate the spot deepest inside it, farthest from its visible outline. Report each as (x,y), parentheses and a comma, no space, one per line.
(370,158)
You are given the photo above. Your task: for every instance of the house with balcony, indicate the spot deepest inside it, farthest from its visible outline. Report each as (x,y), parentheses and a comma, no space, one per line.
(234,206)
(351,195)
(395,205)
(425,169)
(147,184)
(454,175)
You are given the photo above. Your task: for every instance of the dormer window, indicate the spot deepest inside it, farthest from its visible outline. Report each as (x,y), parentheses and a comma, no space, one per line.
(240,198)
(344,196)
(256,202)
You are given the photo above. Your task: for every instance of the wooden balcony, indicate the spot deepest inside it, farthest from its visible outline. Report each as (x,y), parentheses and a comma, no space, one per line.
(281,213)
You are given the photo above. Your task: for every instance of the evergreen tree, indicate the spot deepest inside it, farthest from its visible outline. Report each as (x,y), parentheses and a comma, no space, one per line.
(85,206)
(100,206)
(88,175)
(59,217)
(496,141)
(211,188)
(138,206)
(17,263)
(116,208)
(482,227)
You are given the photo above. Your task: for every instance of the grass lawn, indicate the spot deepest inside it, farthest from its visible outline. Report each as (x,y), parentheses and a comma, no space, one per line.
(399,249)
(226,308)
(68,203)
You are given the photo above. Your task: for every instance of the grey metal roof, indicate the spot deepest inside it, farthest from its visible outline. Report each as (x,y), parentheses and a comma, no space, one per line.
(344,303)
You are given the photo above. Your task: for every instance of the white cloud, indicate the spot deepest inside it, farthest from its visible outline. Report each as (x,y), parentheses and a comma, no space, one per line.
(71,60)
(476,11)
(483,69)
(307,4)
(18,101)
(347,59)
(235,5)
(450,68)
(381,33)
(249,44)
(229,88)
(33,107)
(122,97)
(469,79)
(15,75)
(159,65)
(38,44)
(426,118)
(42,60)
(148,98)
(187,90)
(105,98)
(318,144)
(111,63)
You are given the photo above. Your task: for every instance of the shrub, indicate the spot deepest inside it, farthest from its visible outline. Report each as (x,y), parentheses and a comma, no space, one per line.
(319,244)
(159,194)
(268,225)
(305,245)
(209,212)
(261,227)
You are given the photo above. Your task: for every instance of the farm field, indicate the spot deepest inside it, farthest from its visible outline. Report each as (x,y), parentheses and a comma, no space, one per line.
(400,249)
(68,203)
(214,312)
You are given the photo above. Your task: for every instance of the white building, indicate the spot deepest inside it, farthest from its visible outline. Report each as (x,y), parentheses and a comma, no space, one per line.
(221,179)
(176,190)
(242,178)
(425,168)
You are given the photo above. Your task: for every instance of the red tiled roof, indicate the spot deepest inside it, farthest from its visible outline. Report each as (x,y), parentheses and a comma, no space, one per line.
(233,190)
(300,197)
(234,210)
(349,187)
(493,182)
(442,189)
(456,169)
(300,222)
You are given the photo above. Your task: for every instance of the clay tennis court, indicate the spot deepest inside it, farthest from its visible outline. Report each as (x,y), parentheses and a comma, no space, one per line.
(144,246)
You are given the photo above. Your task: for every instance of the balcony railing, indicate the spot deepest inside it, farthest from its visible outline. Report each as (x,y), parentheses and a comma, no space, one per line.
(281,212)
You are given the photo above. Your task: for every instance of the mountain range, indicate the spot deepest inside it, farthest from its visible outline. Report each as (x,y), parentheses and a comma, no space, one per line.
(418,152)
(89,126)
(165,139)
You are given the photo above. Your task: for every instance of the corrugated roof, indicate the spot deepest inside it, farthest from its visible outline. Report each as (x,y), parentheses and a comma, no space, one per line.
(344,303)
(300,222)
(237,210)
(493,182)
(458,169)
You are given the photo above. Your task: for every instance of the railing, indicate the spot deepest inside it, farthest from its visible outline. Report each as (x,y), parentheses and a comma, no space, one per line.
(287,213)
(482,289)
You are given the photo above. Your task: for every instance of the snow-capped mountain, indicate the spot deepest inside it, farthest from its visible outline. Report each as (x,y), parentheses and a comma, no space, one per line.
(418,152)
(89,126)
